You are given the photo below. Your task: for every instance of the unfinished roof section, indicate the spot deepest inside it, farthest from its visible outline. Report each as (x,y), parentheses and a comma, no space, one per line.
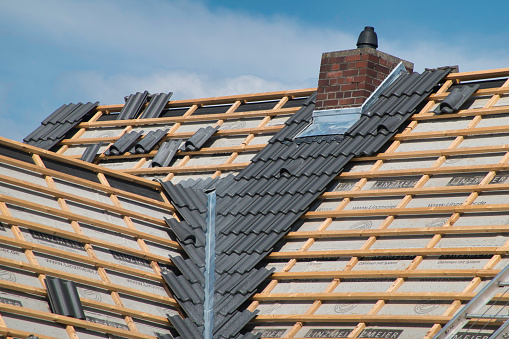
(257,207)
(402,239)
(82,249)
(243,124)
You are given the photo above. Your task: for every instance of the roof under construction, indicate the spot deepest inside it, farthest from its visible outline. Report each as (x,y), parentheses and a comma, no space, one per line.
(216,218)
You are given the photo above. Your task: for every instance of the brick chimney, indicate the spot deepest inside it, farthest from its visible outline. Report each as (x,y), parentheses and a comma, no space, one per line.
(347,78)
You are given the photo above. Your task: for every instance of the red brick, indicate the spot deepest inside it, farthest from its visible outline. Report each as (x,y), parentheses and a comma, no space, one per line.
(361,64)
(349,79)
(341,80)
(361,93)
(382,69)
(353,58)
(335,74)
(325,60)
(323,82)
(364,57)
(367,86)
(321,96)
(331,102)
(350,72)
(359,100)
(334,67)
(340,95)
(343,66)
(351,65)
(337,60)
(335,88)
(347,94)
(348,101)
(331,95)
(333,81)
(369,72)
(348,87)
(360,78)
(325,68)
(377,82)
(374,58)
(372,64)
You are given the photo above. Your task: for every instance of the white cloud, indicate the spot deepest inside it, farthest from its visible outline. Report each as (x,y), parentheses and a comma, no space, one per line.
(111,89)
(125,46)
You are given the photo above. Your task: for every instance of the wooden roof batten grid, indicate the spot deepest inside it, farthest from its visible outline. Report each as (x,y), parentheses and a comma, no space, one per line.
(381,193)
(310,237)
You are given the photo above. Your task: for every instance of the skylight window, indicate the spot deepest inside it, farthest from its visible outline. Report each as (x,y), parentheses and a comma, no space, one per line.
(331,122)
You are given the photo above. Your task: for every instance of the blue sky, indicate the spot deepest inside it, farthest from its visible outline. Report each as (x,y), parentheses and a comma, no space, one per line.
(56,52)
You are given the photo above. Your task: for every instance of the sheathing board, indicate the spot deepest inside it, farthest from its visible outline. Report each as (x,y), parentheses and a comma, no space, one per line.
(424,217)
(111,245)
(397,240)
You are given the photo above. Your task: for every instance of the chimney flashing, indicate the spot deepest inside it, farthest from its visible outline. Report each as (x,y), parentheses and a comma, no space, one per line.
(347,78)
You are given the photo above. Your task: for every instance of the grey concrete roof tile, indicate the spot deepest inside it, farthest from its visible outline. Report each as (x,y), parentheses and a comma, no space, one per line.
(133,106)
(146,144)
(156,105)
(124,143)
(91,152)
(165,153)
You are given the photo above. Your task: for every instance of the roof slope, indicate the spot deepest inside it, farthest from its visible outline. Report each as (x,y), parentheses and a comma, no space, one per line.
(257,207)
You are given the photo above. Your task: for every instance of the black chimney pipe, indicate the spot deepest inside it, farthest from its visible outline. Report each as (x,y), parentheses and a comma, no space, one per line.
(367,38)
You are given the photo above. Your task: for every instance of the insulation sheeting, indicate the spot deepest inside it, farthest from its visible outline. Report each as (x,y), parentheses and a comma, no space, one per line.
(225,141)
(261,139)
(150,128)
(441,125)
(82,191)
(383,263)
(241,123)
(424,145)
(205,160)
(18,276)
(485,140)
(155,308)
(301,286)
(192,127)
(345,307)
(315,265)
(495,120)
(22,174)
(67,265)
(283,307)
(75,150)
(434,220)
(244,157)
(96,213)
(103,132)
(109,236)
(143,208)
(392,182)
(137,283)
(277,120)
(34,325)
(28,195)
(119,164)
(407,164)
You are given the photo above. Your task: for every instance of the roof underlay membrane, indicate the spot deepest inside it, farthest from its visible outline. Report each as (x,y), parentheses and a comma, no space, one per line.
(385,231)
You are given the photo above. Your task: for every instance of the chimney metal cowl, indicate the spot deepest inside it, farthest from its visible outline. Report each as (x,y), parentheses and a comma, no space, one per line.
(368,38)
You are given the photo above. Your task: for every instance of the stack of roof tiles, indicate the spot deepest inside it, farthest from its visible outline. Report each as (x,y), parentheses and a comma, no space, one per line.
(256,208)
